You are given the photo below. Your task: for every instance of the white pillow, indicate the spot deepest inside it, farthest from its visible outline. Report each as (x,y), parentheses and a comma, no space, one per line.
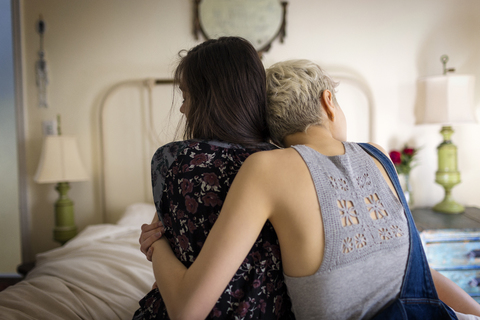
(137,214)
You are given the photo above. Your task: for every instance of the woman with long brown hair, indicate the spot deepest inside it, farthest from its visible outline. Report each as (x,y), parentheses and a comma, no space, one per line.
(223,86)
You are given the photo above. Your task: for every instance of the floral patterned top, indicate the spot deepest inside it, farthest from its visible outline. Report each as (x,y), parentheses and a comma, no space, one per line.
(190,181)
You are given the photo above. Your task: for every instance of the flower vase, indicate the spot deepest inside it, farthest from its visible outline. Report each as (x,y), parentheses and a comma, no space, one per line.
(407,189)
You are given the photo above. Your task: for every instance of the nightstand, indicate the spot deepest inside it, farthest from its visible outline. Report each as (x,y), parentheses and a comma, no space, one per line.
(11,279)
(426,218)
(452,245)
(8,280)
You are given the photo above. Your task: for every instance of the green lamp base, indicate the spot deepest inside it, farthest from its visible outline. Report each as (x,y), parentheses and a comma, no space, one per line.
(448,205)
(65,228)
(447,175)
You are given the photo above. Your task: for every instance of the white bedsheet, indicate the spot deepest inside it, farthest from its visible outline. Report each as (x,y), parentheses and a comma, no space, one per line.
(100,274)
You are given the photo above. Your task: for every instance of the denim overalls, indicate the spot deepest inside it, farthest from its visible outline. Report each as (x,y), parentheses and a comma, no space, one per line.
(418,298)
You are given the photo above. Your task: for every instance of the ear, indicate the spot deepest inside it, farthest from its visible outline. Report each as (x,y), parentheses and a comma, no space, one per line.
(326,100)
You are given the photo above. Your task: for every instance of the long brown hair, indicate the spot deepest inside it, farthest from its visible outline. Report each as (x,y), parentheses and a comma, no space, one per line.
(226,85)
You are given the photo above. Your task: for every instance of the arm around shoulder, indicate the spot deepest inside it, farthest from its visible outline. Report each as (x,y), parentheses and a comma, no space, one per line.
(192,293)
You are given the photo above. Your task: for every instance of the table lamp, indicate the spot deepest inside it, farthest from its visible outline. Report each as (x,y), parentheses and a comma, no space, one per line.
(447,100)
(60,163)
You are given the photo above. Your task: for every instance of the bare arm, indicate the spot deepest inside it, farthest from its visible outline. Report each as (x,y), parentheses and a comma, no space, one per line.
(454,296)
(192,293)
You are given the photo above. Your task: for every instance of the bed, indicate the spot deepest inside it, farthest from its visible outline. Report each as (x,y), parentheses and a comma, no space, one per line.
(101,274)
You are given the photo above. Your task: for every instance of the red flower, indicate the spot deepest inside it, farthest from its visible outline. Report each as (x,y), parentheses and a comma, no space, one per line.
(405,160)
(408,151)
(175,169)
(218,163)
(212,218)
(167,221)
(238,294)
(256,256)
(211,179)
(396,157)
(191,204)
(212,199)
(180,214)
(183,241)
(198,159)
(263,305)
(270,287)
(278,304)
(216,313)
(274,249)
(187,186)
(243,308)
(191,226)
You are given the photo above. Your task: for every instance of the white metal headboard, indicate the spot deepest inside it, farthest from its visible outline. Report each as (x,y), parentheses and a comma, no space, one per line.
(134,121)
(355,99)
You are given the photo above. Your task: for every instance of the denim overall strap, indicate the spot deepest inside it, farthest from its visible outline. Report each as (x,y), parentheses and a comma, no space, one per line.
(418,286)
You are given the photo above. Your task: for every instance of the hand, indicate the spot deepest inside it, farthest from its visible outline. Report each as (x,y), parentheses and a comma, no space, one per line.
(154,286)
(150,233)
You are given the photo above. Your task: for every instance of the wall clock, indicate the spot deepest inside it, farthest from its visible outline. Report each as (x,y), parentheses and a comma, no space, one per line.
(258,21)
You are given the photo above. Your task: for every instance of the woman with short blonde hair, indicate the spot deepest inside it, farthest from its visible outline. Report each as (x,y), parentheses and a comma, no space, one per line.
(293,90)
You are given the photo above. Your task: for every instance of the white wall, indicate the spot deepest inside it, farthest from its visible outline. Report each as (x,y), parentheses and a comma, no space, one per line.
(91,45)
(9,204)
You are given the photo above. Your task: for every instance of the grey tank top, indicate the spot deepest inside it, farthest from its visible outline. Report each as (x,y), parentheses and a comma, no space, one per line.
(366,239)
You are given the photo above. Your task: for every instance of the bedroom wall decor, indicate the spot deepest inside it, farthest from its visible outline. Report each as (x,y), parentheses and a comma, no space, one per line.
(447,99)
(60,163)
(258,21)
(41,67)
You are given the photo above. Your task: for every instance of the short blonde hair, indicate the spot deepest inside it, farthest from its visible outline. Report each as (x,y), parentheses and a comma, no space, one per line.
(294,88)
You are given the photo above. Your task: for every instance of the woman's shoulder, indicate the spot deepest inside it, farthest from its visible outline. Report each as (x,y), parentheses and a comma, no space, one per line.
(272,161)
(375,146)
(203,151)
(273,153)
(170,151)
(216,148)
(217,144)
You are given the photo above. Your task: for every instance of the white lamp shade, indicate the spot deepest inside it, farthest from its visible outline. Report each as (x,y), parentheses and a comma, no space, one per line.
(446,99)
(60,161)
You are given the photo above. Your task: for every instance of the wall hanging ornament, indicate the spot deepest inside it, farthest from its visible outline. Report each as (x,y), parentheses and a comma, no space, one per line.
(258,21)
(41,67)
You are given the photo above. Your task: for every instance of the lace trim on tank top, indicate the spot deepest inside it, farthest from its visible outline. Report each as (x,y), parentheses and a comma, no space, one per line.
(360,213)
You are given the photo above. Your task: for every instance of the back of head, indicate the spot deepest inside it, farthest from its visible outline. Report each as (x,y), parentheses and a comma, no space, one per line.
(294,88)
(226,86)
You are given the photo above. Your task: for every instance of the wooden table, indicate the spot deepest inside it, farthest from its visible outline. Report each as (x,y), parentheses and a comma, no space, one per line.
(426,218)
